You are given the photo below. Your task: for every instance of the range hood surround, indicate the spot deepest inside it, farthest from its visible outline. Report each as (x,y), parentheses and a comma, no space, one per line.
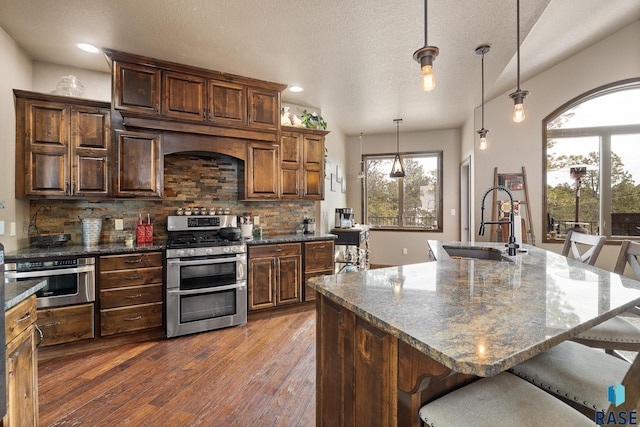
(173,143)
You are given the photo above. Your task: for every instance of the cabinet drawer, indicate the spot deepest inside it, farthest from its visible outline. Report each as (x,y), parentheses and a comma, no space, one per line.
(133,277)
(129,319)
(66,324)
(19,318)
(127,261)
(275,250)
(130,295)
(318,256)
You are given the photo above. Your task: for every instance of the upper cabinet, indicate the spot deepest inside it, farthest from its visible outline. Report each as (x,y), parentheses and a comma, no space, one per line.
(163,95)
(139,165)
(63,146)
(302,163)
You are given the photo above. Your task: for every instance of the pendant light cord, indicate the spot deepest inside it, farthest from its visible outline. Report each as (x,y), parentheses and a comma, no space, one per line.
(398,137)
(518,39)
(483,91)
(425,23)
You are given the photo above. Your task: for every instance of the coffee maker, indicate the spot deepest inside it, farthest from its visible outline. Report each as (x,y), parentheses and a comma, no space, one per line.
(344,218)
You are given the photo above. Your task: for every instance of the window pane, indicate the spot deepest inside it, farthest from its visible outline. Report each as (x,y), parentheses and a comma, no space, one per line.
(382,193)
(621,108)
(565,205)
(625,188)
(420,197)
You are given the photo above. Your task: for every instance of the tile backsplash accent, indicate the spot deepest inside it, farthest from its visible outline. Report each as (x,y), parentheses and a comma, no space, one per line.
(189,180)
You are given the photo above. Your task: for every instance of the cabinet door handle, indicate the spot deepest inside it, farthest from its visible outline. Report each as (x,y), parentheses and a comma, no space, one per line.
(40,335)
(133,277)
(133,296)
(320,247)
(26,316)
(133,261)
(132,319)
(278,250)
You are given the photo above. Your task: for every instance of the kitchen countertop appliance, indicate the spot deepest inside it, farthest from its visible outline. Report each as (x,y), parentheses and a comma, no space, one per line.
(206,274)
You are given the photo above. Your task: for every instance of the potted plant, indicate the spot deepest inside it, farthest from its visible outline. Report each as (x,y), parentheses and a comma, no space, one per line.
(312,120)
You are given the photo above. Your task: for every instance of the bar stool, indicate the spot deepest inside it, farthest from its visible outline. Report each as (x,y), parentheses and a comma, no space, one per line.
(500,400)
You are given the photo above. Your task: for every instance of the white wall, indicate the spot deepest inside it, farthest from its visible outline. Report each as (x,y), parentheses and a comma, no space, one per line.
(46,76)
(512,145)
(386,246)
(15,73)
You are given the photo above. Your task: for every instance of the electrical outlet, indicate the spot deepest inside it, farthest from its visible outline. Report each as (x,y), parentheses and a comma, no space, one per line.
(453,212)
(256,220)
(1,228)
(404,251)
(119,224)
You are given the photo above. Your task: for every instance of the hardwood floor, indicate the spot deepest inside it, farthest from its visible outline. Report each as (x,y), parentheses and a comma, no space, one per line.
(258,374)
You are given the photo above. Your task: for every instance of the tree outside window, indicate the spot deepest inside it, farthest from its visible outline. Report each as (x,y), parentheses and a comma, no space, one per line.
(597,134)
(410,203)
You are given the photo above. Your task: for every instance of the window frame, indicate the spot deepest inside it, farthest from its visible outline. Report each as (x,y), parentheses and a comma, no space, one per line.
(439,155)
(604,133)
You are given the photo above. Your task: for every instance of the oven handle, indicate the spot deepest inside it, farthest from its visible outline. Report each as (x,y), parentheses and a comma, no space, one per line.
(238,285)
(177,262)
(46,273)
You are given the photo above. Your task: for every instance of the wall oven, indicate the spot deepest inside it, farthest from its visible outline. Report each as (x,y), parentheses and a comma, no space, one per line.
(69,280)
(206,276)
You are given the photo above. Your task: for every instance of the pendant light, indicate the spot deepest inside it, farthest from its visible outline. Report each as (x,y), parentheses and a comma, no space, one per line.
(425,56)
(361,173)
(481,50)
(397,171)
(519,95)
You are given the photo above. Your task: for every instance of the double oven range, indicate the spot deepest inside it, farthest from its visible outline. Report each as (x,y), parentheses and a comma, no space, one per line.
(206,275)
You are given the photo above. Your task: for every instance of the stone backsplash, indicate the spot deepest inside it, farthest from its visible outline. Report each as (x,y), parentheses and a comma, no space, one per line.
(193,181)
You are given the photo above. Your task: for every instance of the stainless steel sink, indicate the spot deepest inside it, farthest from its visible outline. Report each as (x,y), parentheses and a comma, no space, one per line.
(475,253)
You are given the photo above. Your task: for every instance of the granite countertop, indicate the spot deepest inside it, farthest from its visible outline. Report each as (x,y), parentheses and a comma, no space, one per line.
(289,238)
(482,317)
(115,248)
(16,292)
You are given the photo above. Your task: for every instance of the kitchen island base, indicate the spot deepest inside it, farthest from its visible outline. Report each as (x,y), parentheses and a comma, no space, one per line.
(366,376)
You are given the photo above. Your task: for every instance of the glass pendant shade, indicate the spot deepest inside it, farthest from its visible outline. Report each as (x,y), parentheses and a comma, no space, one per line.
(428,79)
(518,113)
(397,171)
(519,95)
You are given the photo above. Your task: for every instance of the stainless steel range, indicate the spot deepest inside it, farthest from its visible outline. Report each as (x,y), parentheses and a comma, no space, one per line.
(206,274)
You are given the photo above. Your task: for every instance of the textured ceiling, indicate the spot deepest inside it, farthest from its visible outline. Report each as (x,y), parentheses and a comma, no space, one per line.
(354,58)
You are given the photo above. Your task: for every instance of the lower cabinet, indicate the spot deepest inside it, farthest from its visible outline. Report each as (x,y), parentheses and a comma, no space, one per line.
(66,324)
(275,275)
(131,296)
(21,365)
(318,261)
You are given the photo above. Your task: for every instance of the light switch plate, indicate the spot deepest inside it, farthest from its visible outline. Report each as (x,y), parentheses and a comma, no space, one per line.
(119,224)
(1,228)
(12,228)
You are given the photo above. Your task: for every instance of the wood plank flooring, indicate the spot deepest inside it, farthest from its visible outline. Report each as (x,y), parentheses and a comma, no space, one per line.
(258,374)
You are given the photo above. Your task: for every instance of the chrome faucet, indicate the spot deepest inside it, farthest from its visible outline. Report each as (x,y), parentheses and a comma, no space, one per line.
(512,246)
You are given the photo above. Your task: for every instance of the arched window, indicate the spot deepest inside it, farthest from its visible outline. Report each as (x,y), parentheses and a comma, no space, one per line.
(592,155)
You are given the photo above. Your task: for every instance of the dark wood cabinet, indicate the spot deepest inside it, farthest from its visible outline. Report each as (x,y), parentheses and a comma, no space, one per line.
(139,165)
(261,171)
(302,164)
(136,88)
(227,103)
(131,293)
(22,365)
(275,275)
(184,96)
(63,146)
(358,365)
(69,324)
(318,261)
(264,108)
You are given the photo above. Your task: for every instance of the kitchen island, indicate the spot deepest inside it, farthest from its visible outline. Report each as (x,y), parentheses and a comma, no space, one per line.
(390,340)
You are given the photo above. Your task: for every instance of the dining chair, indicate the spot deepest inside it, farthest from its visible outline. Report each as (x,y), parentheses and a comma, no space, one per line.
(503,399)
(616,333)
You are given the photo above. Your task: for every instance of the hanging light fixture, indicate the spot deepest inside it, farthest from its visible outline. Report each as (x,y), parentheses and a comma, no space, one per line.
(425,56)
(519,95)
(481,50)
(361,173)
(397,171)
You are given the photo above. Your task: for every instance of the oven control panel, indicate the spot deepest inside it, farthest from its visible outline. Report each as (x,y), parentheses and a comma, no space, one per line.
(50,264)
(201,222)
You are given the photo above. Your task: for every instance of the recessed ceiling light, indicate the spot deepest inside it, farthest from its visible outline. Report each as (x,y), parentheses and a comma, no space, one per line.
(296,89)
(88,47)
